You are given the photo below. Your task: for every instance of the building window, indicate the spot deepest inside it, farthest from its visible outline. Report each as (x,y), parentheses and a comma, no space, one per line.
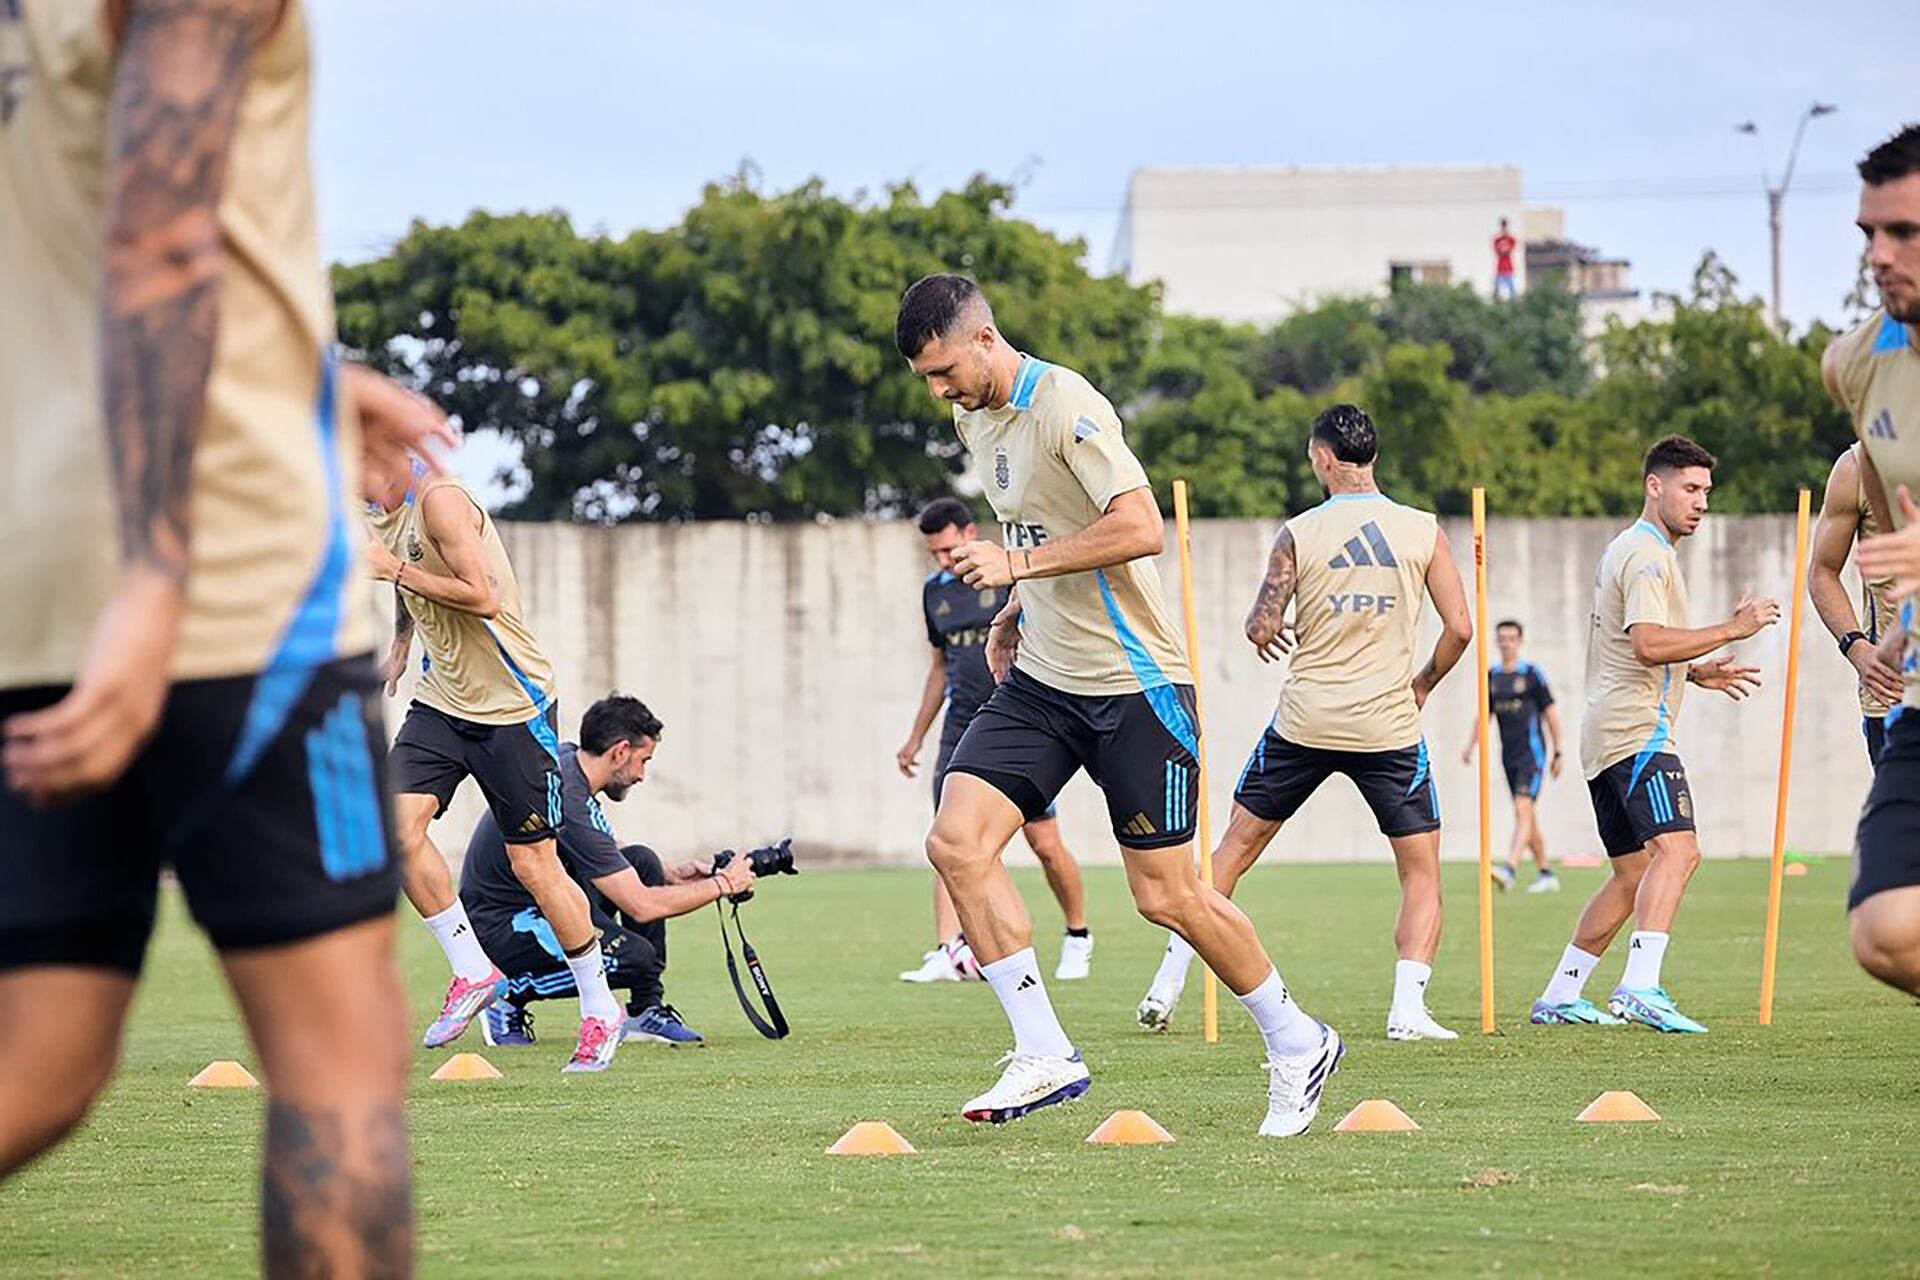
(1400,275)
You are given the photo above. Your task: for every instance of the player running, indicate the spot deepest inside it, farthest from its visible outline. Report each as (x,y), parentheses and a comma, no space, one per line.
(1522,704)
(1846,514)
(1356,569)
(1874,372)
(1091,676)
(185,673)
(1641,655)
(484,709)
(957,618)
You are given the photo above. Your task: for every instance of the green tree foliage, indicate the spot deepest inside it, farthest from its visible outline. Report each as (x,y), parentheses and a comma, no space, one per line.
(742,364)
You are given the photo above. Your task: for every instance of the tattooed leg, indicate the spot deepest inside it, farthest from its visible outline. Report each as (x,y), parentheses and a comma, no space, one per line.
(336,1193)
(330,1020)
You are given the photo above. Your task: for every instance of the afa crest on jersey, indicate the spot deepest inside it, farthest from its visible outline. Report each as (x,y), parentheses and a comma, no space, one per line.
(1002,469)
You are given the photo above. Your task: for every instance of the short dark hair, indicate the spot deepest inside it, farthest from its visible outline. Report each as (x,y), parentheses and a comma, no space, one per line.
(945,513)
(614,719)
(928,310)
(1893,159)
(1348,431)
(1676,453)
(1509,622)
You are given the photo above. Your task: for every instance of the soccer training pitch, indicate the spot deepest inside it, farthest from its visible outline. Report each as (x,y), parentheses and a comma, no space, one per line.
(1790,1150)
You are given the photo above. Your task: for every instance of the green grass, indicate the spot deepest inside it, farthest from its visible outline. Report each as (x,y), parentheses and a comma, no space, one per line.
(1789,1149)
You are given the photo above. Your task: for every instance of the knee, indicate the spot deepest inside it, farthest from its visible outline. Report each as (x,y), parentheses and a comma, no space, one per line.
(1170,905)
(647,863)
(1892,957)
(1682,856)
(54,1104)
(950,855)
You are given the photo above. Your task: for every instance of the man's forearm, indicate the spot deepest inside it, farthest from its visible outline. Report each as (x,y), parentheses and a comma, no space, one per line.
(1117,537)
(644,903)
(454,593)
(1663,645)
(1832,601)
(402,621)
(932,695)
(1446,655)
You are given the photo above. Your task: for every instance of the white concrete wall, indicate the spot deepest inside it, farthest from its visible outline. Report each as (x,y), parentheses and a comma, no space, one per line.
(1255,244)
(786,663)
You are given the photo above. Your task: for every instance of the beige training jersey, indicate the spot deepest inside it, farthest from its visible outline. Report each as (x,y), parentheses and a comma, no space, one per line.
(1877,367)
(1632,708)
(1050,461)
(1361,564)
(486,670)
(270,575)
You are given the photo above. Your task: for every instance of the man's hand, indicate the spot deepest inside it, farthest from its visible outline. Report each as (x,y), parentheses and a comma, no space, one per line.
(1751,614)
(396,425)
(682,872)
(1271,642)
(983,564)
(1725,676)
(1878,676)
(1423,685)
(382,564)
(1553,766)
(1003,646)
(1473,743)
(908,757)
(395,664)
(1895,555)
(85,741)
(736,877)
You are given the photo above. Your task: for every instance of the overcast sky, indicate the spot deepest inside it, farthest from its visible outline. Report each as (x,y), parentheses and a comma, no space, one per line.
(619,112)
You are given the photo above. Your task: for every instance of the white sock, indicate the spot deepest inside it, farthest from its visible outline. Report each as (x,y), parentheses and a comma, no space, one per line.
(454,932)
(1570,979)
(1174,964)
(590,976)
(1645,951)
(1410,979)
(1015,979)
(1286,1028)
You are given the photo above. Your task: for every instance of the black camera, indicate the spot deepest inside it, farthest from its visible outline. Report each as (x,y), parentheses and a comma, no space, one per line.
(768,860)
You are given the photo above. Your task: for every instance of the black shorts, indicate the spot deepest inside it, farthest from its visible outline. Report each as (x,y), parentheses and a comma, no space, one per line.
(1635,800)
(263,793)
(1524,778)
(1876,731)
(943,764)
(1886,847)
(517,767)
(1397,785)
(525,949)
(1140,749)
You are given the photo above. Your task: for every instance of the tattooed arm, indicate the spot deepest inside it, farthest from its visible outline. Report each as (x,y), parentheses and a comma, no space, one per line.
(402,649)
(178,77)
(1267,621)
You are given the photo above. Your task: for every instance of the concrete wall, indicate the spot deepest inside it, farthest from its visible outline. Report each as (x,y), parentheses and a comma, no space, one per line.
(1255,244)
(786,663)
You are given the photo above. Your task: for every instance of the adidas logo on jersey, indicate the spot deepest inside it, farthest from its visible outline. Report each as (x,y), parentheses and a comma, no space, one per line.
(1356,554)
(531,825)
(1882,426)
(1141,825)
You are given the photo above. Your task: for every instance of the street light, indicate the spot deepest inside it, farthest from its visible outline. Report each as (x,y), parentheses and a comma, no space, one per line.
(1777,195)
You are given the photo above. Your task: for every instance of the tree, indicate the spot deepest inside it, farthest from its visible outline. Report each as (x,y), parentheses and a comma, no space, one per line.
(740,363)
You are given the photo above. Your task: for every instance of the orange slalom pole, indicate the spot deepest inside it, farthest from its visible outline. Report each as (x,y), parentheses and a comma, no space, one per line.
(1771,954)
(1486,795)
(1209,986)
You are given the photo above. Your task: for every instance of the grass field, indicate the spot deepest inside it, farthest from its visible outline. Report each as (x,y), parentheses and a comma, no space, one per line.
(1788,1150)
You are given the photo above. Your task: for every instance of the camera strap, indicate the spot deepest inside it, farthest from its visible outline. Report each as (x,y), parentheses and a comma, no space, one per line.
(774,1025)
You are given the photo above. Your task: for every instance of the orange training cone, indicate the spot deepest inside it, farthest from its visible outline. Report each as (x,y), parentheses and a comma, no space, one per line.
(1376,1115)
(224,1074)
(871,1138)
(1129,1128)
(1618,1105)
(467,1066)
(1794,869)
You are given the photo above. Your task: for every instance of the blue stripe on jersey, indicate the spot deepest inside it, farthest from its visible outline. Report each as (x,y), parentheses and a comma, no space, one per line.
(1892,335)
(1026,381)
(346,802)
(1421,770)
(310,640)
(1648,526)
(1662,730)
(1153,681)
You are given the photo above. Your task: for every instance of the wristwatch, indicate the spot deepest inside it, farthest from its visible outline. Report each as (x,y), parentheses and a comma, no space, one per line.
(1848,640)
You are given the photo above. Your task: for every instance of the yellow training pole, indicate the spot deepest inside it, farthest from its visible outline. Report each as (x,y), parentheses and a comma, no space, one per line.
(1771,953)
(1209,992)
(1486,796)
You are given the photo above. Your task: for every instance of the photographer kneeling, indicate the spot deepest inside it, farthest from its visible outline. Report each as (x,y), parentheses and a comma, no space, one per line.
(631,892)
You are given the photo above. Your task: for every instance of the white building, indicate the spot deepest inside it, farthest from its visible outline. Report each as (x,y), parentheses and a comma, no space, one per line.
(1253,244)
